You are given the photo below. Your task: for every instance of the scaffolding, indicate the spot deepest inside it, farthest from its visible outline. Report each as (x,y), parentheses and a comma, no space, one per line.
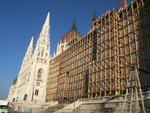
(133,92)
(60,73)
(99,64)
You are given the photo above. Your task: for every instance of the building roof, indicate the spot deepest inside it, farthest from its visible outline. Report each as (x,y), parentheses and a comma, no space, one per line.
(71,34)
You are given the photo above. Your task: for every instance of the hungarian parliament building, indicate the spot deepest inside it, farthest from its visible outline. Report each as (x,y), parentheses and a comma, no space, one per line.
(93,66)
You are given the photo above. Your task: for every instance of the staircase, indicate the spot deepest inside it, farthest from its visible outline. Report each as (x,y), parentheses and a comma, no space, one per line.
(70,108)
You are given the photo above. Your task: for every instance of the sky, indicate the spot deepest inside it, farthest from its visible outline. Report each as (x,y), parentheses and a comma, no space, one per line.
(20,19)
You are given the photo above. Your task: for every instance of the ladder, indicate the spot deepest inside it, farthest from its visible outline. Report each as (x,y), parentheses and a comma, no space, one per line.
(133,91)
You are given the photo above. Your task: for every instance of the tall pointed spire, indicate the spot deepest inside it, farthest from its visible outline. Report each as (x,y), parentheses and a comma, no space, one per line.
(30,47)
(47,19)
(123,4)
(28,54)
(43,43)
(31,42)
(94,17)
(74,24)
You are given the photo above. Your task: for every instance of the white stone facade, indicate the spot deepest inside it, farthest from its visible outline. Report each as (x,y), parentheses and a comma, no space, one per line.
(32,78)
(61,47)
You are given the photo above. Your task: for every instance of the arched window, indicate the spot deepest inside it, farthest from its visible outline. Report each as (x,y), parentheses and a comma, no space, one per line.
(36,92)
(13,100)
(42,52)
(25,97)
(39,54)
(46,55)
(40,71)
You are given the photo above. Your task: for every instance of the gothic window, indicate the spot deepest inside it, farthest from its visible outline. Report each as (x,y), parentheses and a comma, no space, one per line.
(46,55)
(39,54)
(36,92)
(40,71)
(38,83)
(25,97)
(42,52)
(13,100)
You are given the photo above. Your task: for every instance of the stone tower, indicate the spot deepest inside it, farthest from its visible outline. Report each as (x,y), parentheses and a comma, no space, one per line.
(41,62)
(28,54)
(32,78)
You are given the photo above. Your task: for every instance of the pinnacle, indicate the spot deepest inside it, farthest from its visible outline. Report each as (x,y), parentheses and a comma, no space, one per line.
(94,17)
(47,19)
(74,24)
(31,42)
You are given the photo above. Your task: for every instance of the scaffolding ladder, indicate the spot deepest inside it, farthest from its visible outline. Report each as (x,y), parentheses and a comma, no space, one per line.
(133,91)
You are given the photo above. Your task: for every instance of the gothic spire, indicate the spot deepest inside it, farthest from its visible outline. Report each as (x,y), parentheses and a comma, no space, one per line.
(47,19)
(28,54)
(74,24)
(30,47)
(94,17)
(31,42)
(43,43)
(123,4)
